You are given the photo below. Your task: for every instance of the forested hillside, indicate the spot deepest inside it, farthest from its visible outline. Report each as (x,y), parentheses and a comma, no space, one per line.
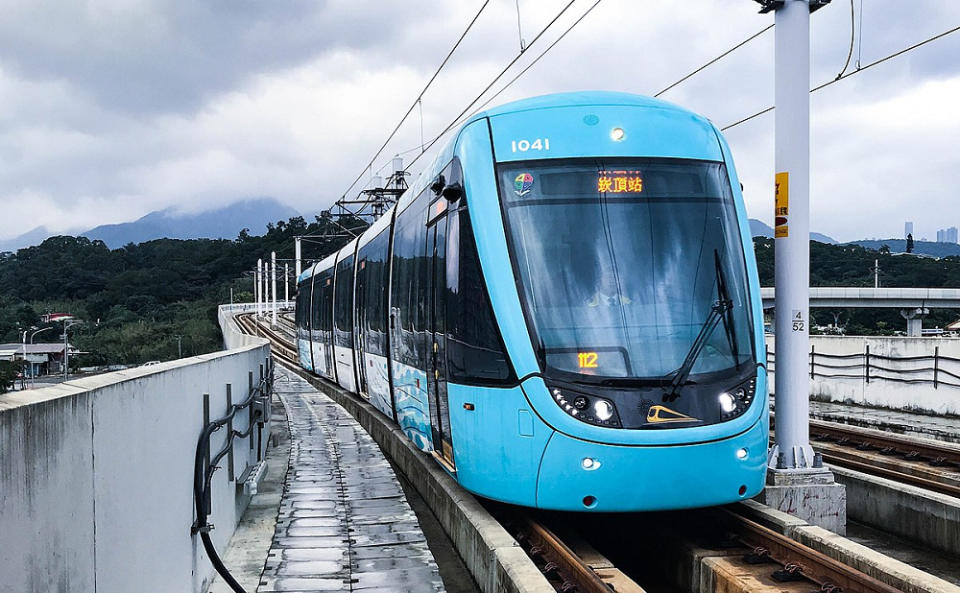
(136,299)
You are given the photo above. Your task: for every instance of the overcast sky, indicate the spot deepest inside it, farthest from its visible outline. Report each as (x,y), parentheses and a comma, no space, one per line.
(110,109)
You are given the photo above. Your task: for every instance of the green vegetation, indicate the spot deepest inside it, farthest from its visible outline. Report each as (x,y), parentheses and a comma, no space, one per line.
(853,265)
(137,299)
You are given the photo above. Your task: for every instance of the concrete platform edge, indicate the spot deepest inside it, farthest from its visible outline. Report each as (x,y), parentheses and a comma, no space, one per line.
(925,517)
(879,566)
(492,555)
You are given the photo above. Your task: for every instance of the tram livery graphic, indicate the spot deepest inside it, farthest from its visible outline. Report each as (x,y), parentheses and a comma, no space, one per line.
(563,310)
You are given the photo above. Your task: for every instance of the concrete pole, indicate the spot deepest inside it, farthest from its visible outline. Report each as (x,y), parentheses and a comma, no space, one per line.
(286,283)
(876,273)
(296,255)
(255,284)
(792,236)
(273,288)
(259,287)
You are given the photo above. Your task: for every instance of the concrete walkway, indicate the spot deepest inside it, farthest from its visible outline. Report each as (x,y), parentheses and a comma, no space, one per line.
(945,428)
(344,523)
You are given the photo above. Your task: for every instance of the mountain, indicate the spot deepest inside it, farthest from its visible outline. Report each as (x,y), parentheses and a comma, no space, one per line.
(223,223)
(761,229)
(919,247)
(31,237)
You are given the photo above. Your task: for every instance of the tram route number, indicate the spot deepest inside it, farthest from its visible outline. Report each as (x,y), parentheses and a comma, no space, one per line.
(525,145)
(587,360)
(798,322)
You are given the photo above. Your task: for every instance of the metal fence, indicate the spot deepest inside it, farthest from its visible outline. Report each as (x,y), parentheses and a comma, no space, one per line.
(938,370)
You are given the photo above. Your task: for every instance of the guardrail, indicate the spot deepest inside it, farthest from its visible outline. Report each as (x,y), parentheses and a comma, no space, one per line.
(937,370)
(258,405)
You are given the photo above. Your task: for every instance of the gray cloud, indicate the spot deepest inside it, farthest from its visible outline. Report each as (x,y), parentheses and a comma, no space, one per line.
(116,108)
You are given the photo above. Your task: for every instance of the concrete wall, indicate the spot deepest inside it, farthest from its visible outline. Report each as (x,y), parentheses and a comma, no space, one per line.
(96,477)
(920,397)
(232,336)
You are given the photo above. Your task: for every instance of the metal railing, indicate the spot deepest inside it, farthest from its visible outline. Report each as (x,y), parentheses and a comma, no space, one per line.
(257,403)
(937,369)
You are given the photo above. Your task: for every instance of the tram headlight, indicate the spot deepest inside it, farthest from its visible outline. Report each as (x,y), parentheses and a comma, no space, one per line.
(727,403)
(587,408)
(617,134)
(734,402)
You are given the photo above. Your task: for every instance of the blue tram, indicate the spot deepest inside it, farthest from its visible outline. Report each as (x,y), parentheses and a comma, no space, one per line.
(563,309)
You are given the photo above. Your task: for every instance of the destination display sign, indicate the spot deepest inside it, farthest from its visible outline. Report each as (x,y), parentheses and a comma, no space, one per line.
(620,182)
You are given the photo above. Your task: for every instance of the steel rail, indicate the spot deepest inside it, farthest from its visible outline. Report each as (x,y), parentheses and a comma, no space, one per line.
(943,487)
(938,453)
(570,563)
(799,561)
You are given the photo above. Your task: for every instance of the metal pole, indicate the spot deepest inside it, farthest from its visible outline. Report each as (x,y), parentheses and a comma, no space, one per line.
(66,353)
(273,288)
(296,249)
(259,287)
(286,283)
(876,273)
(792,449)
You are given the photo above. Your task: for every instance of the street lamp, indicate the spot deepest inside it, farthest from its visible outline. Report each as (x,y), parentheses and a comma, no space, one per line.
(33,374)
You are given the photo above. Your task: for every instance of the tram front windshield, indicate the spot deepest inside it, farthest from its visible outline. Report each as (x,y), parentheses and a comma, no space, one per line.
(620,264)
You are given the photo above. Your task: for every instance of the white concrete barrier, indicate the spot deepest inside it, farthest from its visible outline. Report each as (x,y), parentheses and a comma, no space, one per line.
(920,395)
(96,476)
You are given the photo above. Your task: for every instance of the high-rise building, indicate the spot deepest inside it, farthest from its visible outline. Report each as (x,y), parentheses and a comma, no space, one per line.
(907,229)
(941,236)
(952,235)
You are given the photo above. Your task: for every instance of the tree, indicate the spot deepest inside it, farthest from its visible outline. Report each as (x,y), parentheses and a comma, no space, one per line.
(910,243)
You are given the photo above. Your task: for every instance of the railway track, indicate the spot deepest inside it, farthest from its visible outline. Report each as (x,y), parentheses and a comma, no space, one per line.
(280,342)
(924,463)
(568,548)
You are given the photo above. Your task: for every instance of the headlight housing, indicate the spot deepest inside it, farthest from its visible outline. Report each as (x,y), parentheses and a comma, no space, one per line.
(735,401)
(591,409)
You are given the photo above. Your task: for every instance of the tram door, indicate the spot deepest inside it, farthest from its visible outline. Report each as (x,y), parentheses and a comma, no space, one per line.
(436,334)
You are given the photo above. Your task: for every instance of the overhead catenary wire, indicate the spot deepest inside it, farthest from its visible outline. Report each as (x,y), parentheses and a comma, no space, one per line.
(849,74)
(853,35)
(419,97)
(509,65)
(717,59)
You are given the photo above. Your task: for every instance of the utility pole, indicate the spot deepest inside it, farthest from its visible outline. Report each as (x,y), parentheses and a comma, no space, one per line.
(179,346)
(286,283)
(876,273)
(296,251)
(273,288)
(797,481)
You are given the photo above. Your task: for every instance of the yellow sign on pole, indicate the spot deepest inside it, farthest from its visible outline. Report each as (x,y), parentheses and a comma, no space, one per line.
(781,214)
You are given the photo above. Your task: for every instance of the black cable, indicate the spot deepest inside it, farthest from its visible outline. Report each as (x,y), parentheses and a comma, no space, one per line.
(492,82)
(853,32)
(718,58)
(420,96)
(849,74)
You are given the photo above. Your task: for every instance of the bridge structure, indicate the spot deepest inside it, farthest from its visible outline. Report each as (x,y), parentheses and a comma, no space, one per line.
(914,303)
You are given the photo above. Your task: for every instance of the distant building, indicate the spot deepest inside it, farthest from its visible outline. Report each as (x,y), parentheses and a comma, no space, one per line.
(907,229)
(952,235)
(941,236)
(42,358)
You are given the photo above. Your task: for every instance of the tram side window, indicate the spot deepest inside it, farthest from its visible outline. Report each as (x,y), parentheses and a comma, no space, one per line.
(408,319)
(343,304)
(315,292)
(373,257)
(325,285)
(475,350)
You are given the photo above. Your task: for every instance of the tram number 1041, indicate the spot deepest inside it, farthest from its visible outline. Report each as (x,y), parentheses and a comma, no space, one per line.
(525,145)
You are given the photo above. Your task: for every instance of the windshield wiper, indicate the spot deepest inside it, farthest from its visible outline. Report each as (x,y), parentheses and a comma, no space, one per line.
(724,295)
(717,311)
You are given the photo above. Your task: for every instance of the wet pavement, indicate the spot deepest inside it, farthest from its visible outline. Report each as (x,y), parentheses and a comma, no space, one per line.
(344,523)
